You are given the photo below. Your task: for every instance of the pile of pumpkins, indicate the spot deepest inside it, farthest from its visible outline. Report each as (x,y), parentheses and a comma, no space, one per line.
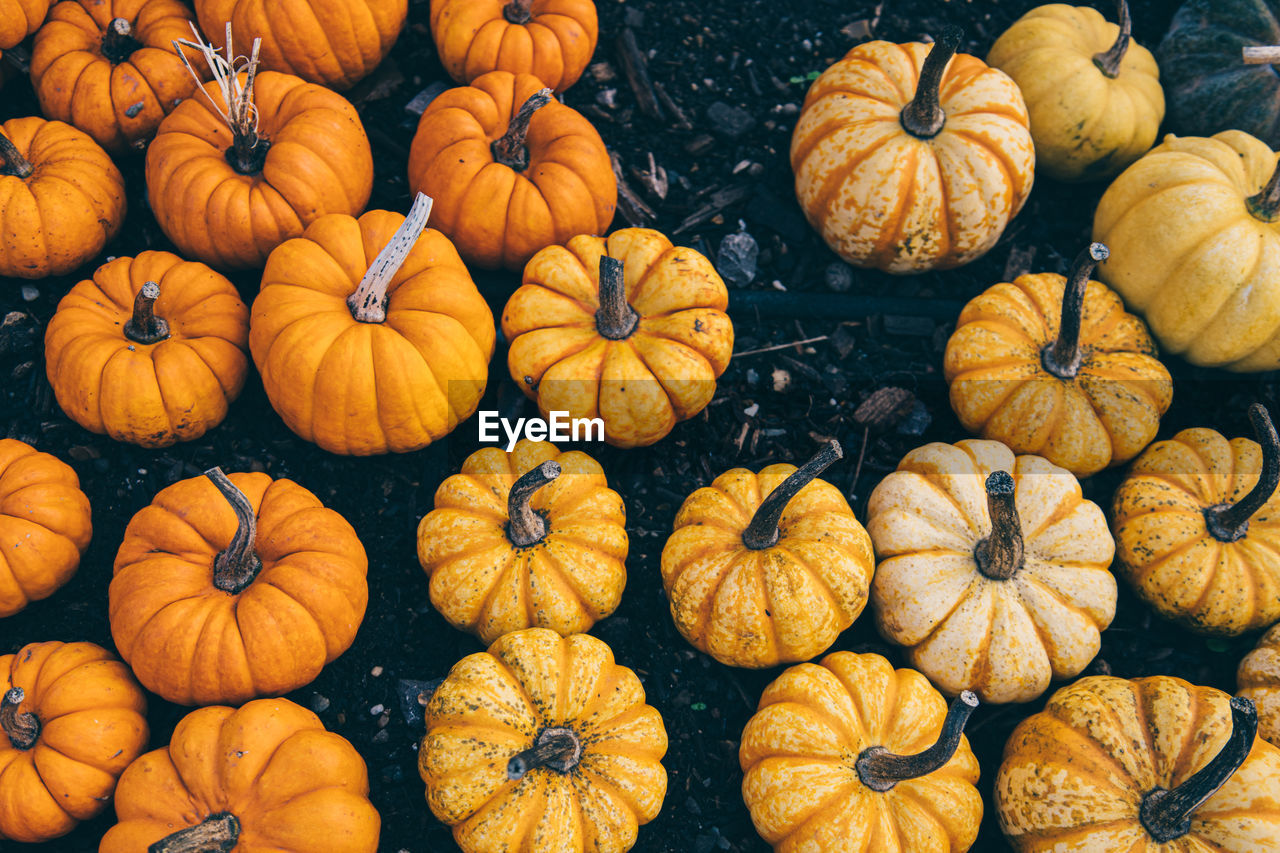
(982,559)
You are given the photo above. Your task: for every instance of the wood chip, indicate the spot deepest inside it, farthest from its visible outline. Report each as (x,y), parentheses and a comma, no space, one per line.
(884,408)
(635,66)
(630,204)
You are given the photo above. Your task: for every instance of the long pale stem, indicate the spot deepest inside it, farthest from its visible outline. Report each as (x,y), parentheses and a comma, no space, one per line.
(524,526)
(1109,60)
(880,769)
(368,303)
(236,567)
(616,319)
(509,149)
(248,151)
(1063,358)
(999,556)
(924,117)
(763,531)
(1230,522)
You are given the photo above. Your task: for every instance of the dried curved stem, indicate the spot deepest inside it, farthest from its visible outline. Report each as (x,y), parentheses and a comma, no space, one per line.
(248,151)
(517,11)
(238,565)
(11,160)
(999,556)
(763,532)
(144,327)
(368,303)
(1062,358)
(616,319)
(524,526)
(118,42)
(1265,204)
(218,833)
(509,149)
(1109,60)
(879,769)
(558,748)
(924,117)
(1230,522)
(21,727)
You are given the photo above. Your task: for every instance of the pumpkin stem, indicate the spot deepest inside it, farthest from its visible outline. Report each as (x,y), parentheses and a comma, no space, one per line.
(923,117)
(517,11)
(509,149)
(999,556)
(368,303)
(237,566)
(1230,522)
(558,748)
(11,160)
(763,532)
(218,833)
(118,43)
(526,527)
(1260,54)
(1108,61)
(616,319)
(22,728)
(1062,358)
(144,327)
(1266,204)
(879,769)
(1166,815)
(248,151)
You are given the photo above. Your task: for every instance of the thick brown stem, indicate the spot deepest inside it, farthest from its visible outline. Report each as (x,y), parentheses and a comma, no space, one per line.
(118,43)
(763,532)
(21,727)
(1109,60)
(237,566)
(1230,522)
(524,526)
(1266,204)
(557,748)
(218,833)
(616,319)
(11,160)
(1062,358)
(509,149)
(923,117)
(999,556)
(144,327)
(368,303)
(879,769)
(1166,815)
(517,11)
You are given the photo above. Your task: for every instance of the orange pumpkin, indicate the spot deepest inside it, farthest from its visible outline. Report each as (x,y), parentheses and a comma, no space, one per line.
(151,350)
(228,588)
(44,524)
(61,198)
(368,337)
(512,170)
(71,720)
(907,159)
(19,19)
(551,39)
(265,777)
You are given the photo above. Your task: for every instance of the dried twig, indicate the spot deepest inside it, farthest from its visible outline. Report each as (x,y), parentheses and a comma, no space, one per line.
(630,204)
(636,68)
(777,347)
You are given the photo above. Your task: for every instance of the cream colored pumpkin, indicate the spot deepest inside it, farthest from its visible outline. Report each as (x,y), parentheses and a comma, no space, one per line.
(1258,679)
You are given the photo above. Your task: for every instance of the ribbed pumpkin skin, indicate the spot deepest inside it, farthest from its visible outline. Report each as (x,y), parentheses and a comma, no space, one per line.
(1188,255)
(331,42)
(92,724)
(884,198)
(149,394)
(1165,551)
(483,583)
(473,37)
(319,162)
(1258,679)
(1210,89)
(1074,774)
(798,755)
(496,216)
(19,19)
(294,787)
(194,644)
(494,704)
(1002,639)
(70,206)
(117,104)
(1001,390)
(1085,124)
(44,524)
(363,388)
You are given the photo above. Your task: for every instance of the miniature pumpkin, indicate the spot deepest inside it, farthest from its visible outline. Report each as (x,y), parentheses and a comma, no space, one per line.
(851,754)
(1197,525)
(110,68)
(333,44)
(19,19)
(767,568)
(993,569)
(906,160)
(1258,680)
(368,337)
(511,169)
(551,39)
(1153,764)
(530,538)
(266,154)
(1194,231)
(151,350)
(60,195)
(71,720)
(543,743)
(228,588)
(1056,367)
(44,524)
(629,329)
(1093,95)
(266,776)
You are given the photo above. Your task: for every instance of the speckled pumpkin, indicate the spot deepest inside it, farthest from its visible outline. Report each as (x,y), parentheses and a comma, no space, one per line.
(1154,765)
(993,569)
(1197,526)
(542,744)
(832,761)
(1258,680)
(908,164)
(1055,366)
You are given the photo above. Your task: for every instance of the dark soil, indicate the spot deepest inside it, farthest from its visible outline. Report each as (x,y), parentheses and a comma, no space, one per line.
(778,405)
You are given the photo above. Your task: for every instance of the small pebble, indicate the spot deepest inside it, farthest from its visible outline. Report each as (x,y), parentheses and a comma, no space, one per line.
(30,293)
(781,379)
(750,411)
(376,710)
(839,277)
(376,671)
(319,703)
(729,120)
(381,736)
(737,259)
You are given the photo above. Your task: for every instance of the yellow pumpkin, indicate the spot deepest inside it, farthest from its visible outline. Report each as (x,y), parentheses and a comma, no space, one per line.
(1056,367)
(1258,680)
(993,569)
(1092,93)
